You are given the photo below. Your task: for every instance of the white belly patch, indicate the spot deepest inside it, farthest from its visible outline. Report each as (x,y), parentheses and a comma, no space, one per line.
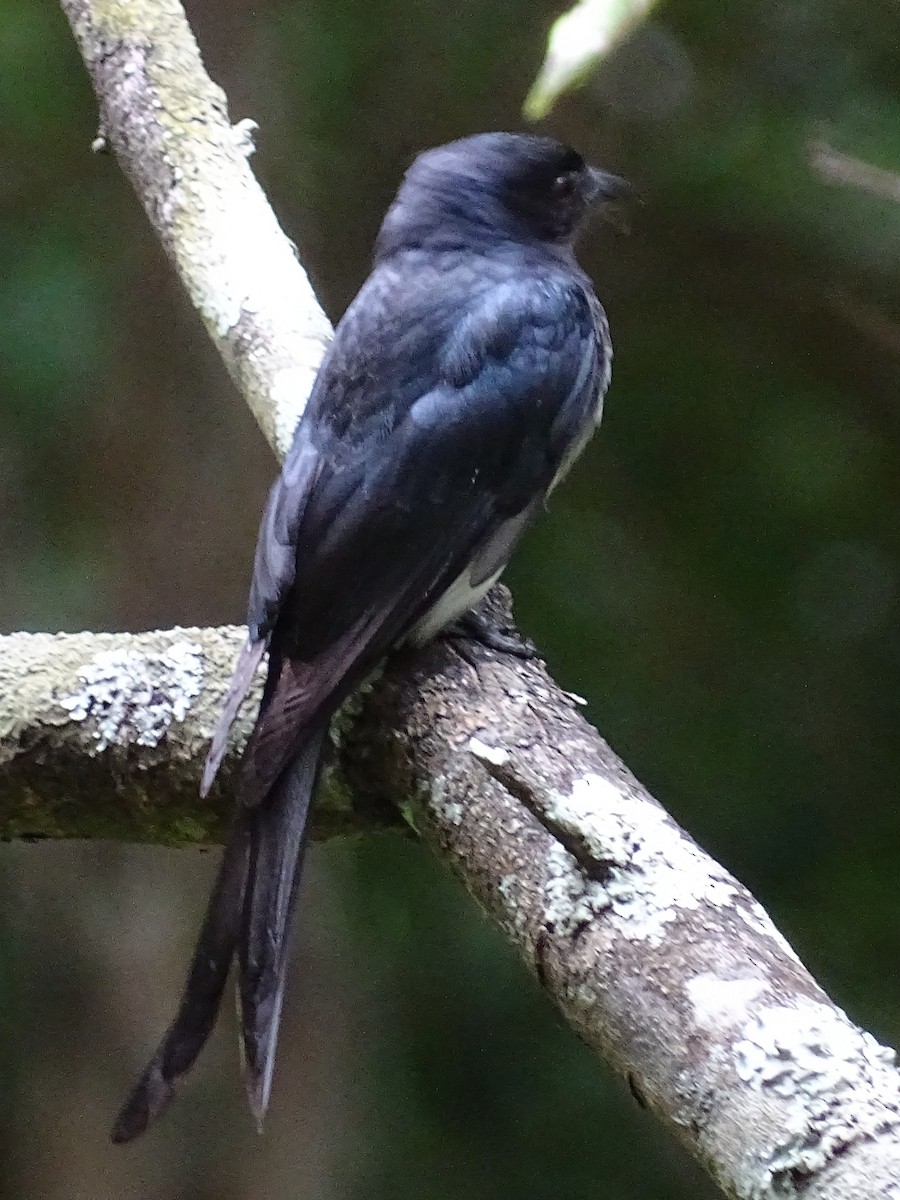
(459,597)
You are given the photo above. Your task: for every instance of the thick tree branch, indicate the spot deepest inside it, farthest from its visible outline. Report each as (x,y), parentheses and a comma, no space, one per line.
(104,735)
(659,959)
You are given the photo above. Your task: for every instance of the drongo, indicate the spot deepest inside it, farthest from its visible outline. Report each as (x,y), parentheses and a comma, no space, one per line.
(460,386)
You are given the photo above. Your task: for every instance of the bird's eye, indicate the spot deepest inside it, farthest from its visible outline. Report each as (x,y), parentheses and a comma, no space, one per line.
(563,185)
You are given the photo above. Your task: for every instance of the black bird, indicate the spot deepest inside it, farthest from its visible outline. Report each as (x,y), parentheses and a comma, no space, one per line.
(460,386)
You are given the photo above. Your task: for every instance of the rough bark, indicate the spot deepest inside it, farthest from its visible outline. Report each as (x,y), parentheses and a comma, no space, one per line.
(660,960)
(104,735)
(658,957)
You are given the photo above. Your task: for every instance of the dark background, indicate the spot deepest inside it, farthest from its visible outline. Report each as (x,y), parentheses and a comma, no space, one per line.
(719,576)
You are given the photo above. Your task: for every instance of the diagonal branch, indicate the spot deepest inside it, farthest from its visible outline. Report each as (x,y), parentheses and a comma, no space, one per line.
(661,961)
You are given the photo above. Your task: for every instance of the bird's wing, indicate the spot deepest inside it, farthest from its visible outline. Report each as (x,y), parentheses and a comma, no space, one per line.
(400,508)
(276,546)
(273,574)
(250,658)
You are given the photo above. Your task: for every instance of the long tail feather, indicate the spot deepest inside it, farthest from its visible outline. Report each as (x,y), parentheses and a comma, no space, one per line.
(203,989)
(278,837)
(251,656)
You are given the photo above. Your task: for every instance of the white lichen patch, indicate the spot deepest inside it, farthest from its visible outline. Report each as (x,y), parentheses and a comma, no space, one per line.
(809,1048)
(756,918)
(449,811)
(244,133)
(570,900)
(841,1085)
(495,755)
(723,1003)
(133,697)
(509,889)
(651,871)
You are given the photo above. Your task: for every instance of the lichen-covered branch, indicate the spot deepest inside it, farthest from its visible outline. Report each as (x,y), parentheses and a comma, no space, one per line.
(168,124)
(661,961)
(104,735)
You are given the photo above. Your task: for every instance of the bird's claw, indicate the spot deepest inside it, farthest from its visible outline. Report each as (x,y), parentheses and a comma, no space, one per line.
(474,627)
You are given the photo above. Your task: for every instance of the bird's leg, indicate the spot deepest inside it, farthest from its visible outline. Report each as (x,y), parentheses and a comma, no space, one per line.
(474,626)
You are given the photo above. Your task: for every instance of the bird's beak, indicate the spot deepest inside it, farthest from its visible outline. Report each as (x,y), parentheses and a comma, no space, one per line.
(608,189)
(609,194)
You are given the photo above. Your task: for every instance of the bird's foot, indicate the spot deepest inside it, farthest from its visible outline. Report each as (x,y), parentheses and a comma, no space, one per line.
(473,626)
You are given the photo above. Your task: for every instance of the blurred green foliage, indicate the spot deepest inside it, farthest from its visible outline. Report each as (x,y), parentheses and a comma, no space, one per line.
(720,576)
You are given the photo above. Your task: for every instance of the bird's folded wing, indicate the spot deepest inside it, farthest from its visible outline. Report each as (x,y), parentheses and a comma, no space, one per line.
(392,512)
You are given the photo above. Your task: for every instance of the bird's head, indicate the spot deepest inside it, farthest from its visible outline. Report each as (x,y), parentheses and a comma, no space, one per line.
(507,186)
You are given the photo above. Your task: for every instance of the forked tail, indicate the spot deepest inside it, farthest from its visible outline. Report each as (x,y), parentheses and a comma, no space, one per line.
(249,913)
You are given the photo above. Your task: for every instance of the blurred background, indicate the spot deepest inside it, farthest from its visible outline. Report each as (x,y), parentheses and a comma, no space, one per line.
(719,577)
